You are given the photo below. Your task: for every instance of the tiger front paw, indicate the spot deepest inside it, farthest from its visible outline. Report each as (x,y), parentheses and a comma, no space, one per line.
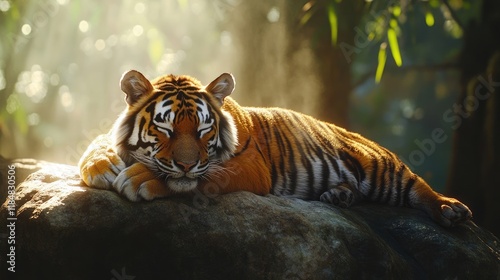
(449,211)
(137,182)
(100,169)
(340,195)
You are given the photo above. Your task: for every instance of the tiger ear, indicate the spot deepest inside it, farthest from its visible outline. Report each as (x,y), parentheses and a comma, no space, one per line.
(134,85)
(221,87)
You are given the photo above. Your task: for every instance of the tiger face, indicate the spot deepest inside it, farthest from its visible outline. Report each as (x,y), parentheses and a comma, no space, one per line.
(176,127)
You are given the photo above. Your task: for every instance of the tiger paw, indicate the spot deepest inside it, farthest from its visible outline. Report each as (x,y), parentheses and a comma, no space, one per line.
(100,168)
(137,182)
(450,212)
(340,195)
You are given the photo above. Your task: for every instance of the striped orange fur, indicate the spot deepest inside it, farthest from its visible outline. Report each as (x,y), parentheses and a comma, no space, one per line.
(177,135)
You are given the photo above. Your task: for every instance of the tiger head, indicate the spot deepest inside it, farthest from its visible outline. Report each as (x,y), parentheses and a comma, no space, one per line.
(176,127)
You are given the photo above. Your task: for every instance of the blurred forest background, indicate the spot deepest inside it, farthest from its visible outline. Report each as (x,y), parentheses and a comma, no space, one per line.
(418,77)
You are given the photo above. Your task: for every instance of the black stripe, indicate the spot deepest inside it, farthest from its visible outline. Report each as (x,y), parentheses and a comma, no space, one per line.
(307,150)
(282,153)
(168,88)
(390,183)
(267,137)
(257,146)
(140,143)
(353,165)
(190,88)
(325,178)
(343,177)
(406,195)
(264,127)
(313,150)
(301,145)
(379,182)
(198,101)
(292,168)
(167,96)
(399,186)
(245,147)
(334,163)
(386,199)
(274,176)
(373,179)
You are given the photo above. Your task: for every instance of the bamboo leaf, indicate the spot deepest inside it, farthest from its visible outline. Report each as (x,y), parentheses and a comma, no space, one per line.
(429,18)
(393,44)
(332,18)
(396,11)
(382,58)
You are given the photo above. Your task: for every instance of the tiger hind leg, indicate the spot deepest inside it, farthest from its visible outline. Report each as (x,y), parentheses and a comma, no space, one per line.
(444,210)
(341,195)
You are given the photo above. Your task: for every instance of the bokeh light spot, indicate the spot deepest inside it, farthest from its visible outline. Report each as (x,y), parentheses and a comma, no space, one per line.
(140,7)
(26,29)
(33,119)
(273,15)
(100,45)
(83,26)
(12,103)
(4,5)
(137,30)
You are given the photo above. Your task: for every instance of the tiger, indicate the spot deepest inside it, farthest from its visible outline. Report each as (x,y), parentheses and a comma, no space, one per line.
(177,136)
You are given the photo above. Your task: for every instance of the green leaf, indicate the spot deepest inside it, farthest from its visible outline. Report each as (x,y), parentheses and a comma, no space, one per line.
(435,3)
(393,44)
(429,18)
(382,58)
(396,11)
(332,18)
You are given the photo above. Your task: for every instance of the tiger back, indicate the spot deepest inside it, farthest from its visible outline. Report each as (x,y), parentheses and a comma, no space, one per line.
(177,135)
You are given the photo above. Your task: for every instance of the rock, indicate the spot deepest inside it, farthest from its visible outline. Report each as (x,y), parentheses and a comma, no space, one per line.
(65,230)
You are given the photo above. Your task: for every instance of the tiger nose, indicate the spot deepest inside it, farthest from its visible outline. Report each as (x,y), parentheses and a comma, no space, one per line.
(185,166)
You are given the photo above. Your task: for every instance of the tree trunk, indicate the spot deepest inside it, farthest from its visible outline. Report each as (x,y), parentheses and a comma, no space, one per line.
(335,75)
(291,65)
(475,160)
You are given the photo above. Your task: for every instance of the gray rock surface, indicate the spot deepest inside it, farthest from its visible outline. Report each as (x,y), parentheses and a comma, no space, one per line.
(65,230)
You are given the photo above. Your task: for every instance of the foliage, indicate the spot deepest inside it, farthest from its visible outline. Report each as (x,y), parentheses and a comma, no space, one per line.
(382,20)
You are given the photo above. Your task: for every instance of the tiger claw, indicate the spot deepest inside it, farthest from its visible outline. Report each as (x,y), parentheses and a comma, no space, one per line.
(451,212)
(341,196)
(101,171)
(138,183)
